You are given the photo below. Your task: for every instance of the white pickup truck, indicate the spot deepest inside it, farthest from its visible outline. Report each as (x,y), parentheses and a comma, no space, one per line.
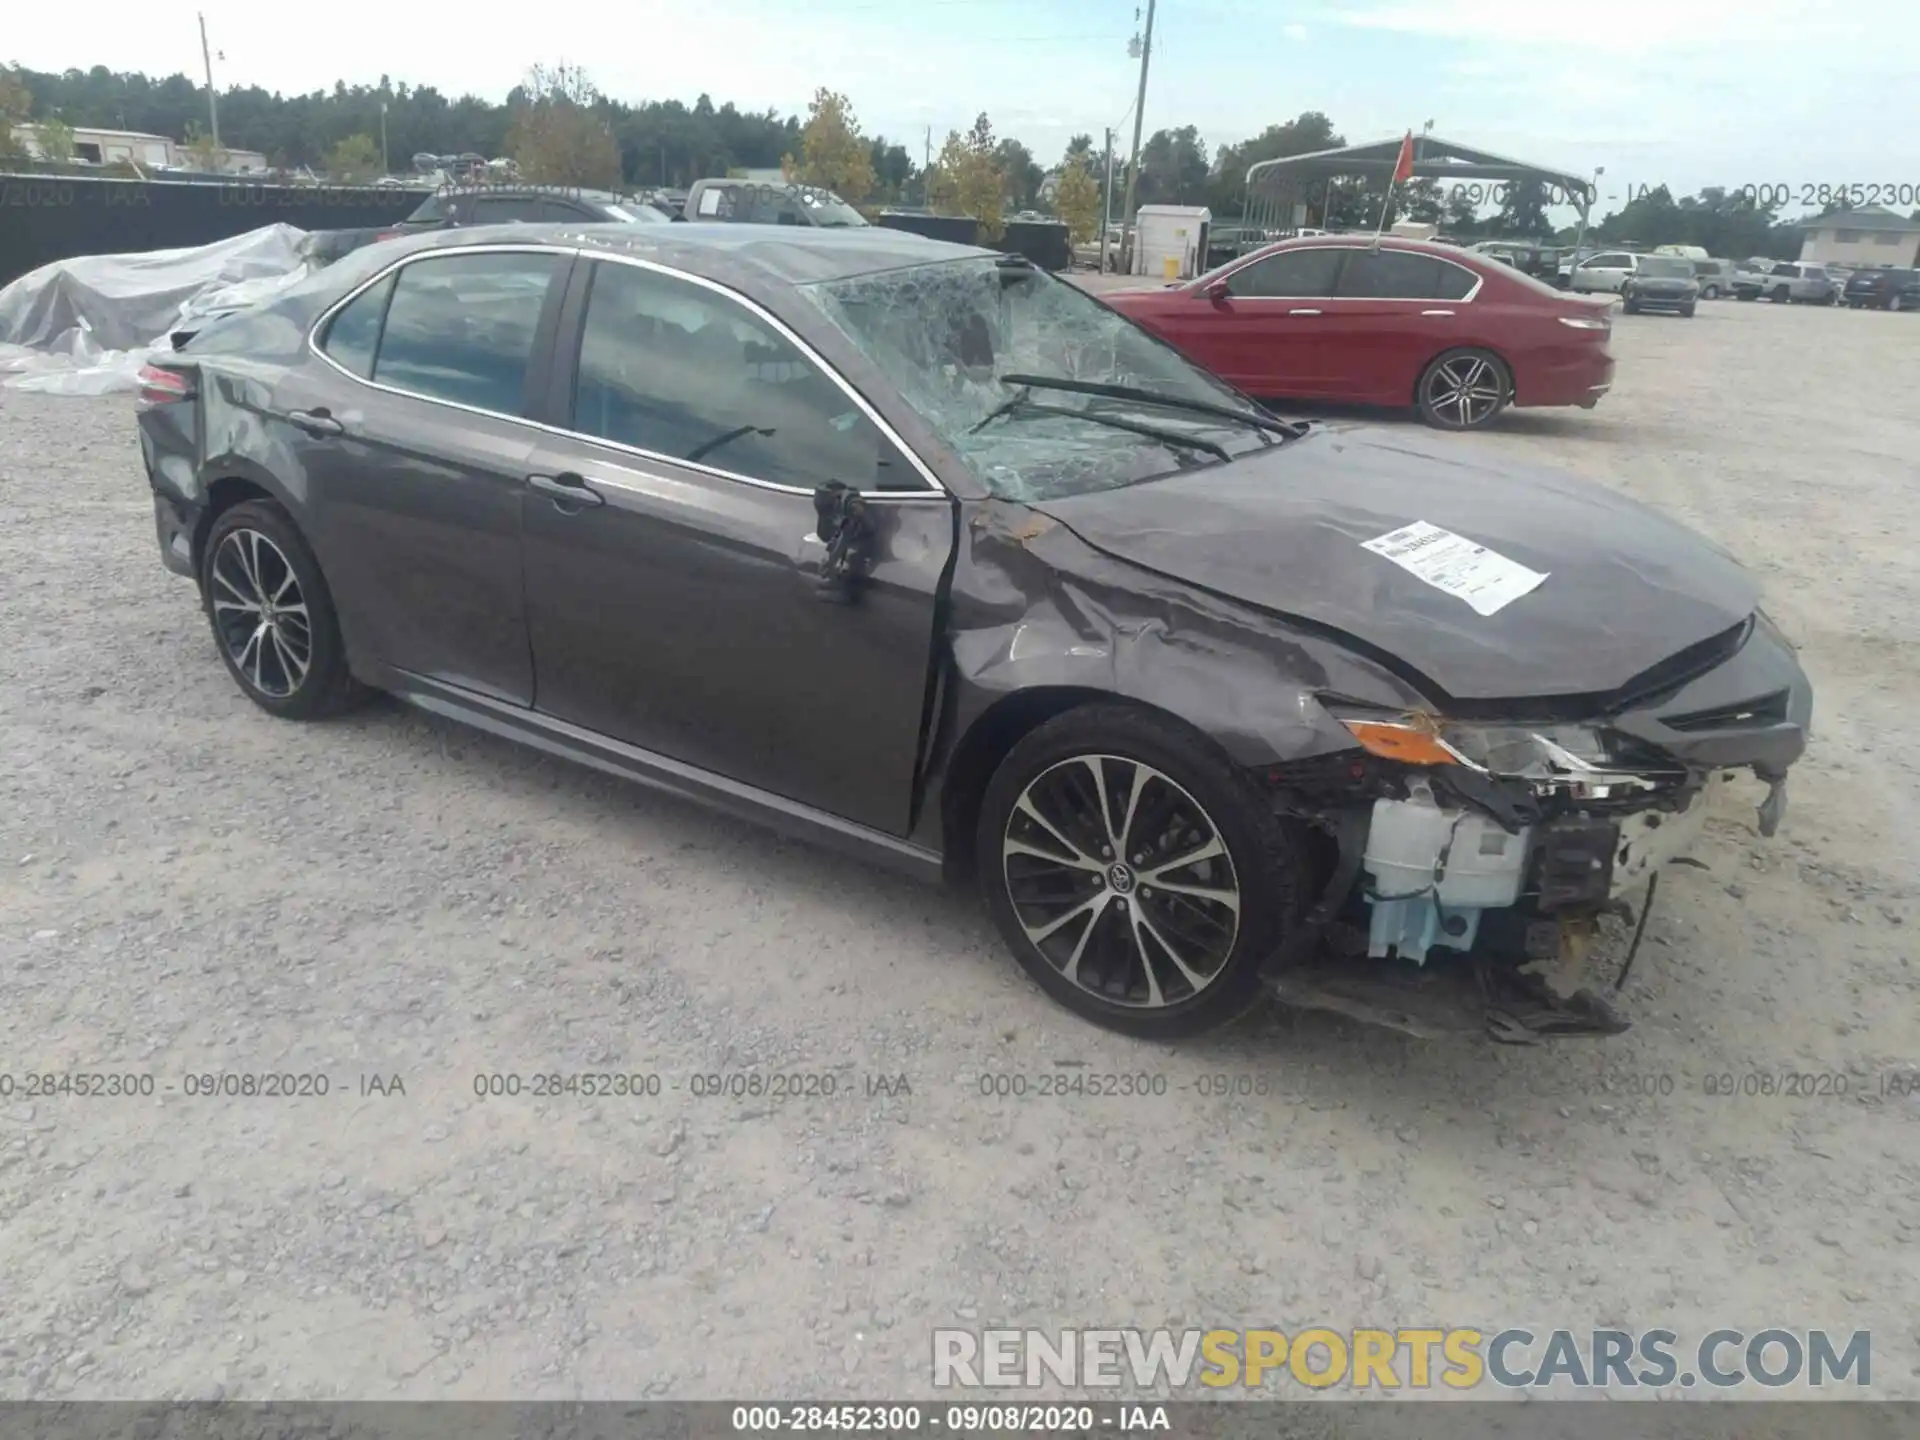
(1787,282)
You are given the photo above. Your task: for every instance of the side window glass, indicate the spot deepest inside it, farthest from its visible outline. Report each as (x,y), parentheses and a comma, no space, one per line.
(679,370)
(461,327)
(559,211)
(1292,273)
(354,333)
(1389,275)
(1456,282)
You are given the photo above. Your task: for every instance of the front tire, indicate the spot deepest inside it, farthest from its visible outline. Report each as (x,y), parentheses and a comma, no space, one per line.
(1687,311)
(1463,389)
(1712,292)
(1631,307)
(272,615)
(1136,874)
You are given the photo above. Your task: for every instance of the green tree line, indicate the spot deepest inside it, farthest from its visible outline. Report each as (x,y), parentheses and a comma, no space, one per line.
(667,142)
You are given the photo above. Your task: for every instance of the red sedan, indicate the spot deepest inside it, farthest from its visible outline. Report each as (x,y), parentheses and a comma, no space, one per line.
(1394,322)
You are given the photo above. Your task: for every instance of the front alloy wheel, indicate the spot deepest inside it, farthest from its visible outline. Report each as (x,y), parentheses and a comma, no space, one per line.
(1463,389)
(1137,875)
(1119,878)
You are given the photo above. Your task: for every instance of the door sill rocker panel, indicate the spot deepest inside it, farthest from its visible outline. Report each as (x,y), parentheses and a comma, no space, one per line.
(659,772)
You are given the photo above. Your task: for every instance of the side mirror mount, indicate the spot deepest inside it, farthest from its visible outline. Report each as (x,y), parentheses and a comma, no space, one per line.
(1218,292)
(846,530)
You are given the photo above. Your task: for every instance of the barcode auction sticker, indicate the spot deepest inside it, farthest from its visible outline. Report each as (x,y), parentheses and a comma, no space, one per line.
(1485,579)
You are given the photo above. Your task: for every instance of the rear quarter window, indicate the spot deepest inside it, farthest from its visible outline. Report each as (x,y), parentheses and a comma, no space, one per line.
(353,335)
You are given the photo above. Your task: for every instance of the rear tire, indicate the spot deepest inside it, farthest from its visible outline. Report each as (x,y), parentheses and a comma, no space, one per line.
(1712,292)
(1085,816)
(1782,296)
(1463,389)
(272,615)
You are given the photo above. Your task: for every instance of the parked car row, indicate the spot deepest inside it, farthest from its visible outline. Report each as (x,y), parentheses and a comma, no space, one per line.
(458,206)
(1184,689)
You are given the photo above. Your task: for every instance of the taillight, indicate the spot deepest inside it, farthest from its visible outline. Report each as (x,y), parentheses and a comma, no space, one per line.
(387,235)
(161,386)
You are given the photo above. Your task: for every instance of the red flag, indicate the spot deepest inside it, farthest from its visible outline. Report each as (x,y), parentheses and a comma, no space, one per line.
(1403,167)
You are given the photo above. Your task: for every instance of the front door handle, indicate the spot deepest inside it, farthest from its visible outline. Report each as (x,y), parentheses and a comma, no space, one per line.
(567,488)
(316,422)
(1303,312)
(1436,312)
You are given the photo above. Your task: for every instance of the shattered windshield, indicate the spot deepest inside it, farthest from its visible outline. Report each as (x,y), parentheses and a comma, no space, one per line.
(1043,391)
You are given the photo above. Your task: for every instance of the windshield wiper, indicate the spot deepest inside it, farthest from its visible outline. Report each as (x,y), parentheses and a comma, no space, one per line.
(1025,406)
(1154,397)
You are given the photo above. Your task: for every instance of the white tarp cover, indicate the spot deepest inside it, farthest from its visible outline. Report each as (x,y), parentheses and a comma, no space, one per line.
(85,326)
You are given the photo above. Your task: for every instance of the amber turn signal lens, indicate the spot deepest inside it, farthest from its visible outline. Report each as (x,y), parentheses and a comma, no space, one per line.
(1406,743)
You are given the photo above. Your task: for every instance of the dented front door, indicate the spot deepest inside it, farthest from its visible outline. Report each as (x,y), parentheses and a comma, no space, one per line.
(671,559)
(680,612)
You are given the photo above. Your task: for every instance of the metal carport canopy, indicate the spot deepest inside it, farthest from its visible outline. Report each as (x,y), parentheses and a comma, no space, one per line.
(1433,159)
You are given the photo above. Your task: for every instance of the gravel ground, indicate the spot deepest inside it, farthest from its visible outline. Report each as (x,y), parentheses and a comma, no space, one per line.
(190,887)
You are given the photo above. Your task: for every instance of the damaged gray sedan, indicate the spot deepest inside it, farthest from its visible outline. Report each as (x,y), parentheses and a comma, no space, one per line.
(914,549)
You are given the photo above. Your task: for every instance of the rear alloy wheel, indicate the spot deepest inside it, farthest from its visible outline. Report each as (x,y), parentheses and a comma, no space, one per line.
(1463,389)
(272,614)
(1136,876)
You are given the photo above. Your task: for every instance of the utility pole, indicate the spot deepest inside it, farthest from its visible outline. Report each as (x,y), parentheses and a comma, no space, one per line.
(213,103)
(926,173)
(383,137)
(1106,203)
(1139,114)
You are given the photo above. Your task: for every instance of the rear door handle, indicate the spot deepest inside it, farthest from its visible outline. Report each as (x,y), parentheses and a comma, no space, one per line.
(1436,312)
(315,422)
(1303,312)
(568,488)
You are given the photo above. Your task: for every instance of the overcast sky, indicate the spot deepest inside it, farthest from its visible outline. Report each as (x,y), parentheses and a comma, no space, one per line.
(1781,92)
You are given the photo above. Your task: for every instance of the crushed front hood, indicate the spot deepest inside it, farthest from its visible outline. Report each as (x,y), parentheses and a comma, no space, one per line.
(1282,530)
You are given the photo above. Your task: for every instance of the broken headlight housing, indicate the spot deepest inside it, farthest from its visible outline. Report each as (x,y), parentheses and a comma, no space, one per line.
(1572,760)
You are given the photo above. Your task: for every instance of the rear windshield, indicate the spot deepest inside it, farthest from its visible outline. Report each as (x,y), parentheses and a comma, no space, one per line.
(434,207)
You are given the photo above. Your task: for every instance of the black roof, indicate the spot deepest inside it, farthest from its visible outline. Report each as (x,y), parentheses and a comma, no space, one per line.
(743,255)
